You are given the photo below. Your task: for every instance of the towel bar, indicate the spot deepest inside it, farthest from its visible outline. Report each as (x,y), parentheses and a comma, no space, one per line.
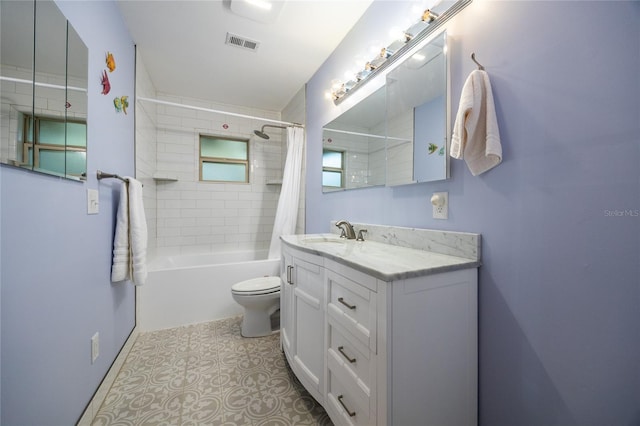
(102,175)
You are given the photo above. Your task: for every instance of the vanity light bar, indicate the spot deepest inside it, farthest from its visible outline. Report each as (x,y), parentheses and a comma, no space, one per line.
(434,24)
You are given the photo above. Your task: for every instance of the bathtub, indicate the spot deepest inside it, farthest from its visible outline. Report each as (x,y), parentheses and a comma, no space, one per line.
(190,289)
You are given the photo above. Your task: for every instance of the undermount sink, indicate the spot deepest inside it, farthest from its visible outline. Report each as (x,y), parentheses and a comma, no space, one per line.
(323,239)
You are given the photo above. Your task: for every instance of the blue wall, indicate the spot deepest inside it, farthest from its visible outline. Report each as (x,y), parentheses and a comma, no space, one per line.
(56,288)
(559,301)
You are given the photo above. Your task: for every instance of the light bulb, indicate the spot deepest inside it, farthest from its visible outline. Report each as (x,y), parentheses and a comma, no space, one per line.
(397,34)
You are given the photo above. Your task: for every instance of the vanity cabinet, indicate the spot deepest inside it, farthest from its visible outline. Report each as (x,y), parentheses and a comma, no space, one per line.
(391,352)
(302,318)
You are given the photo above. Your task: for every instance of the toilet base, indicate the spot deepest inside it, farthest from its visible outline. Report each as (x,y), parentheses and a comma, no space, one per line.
(258,324)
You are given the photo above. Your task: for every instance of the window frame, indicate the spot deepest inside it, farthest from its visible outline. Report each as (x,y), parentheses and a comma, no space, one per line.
(32,141)
(220,160)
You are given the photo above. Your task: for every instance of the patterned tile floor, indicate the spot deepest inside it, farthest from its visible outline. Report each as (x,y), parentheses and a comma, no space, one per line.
(207,374)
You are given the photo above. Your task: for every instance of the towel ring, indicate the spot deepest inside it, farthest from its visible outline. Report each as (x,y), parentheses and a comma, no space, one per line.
(473,58)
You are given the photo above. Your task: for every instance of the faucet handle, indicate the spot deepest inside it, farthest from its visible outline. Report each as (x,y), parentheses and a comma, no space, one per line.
(342,234)
(360,236)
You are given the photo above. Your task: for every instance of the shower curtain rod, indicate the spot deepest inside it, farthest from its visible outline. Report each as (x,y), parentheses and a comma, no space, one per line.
(233,114)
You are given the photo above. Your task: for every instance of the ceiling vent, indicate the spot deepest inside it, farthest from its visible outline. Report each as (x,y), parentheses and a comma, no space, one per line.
(242,42)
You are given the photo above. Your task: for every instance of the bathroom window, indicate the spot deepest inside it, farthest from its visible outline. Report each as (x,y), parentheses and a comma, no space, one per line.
(55,145)
(224,160)
(332,168)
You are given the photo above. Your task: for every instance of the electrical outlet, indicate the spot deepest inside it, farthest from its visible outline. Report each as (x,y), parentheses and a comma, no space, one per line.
(95,347)
(440,201)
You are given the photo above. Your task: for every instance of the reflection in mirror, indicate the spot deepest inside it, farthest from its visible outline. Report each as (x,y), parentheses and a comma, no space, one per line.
(37,135)
(76,105)
(44,145)
(16,70)
(417,117)
(354,146)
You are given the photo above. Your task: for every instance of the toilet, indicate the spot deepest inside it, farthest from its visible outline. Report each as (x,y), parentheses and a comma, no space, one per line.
(260,298)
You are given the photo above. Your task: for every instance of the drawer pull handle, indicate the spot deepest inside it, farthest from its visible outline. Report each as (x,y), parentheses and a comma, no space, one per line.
(341,350)
(341,300)
(350,413)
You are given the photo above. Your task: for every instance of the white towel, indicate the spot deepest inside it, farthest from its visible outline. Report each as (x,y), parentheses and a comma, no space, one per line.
(475,133)
(130,241)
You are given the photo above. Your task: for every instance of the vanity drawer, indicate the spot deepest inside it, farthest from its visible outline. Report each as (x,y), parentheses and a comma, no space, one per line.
(350,356)
(345,404)
(353,307)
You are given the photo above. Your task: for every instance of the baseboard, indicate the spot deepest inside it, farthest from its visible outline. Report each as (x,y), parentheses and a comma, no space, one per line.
(98,398)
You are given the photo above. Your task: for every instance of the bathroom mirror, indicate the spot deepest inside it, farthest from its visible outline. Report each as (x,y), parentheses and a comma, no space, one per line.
(44,90)
(417,116)
(354,146)
(397,135)
(16,71)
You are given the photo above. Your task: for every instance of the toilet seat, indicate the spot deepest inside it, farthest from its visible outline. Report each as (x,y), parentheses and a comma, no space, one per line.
(256,286)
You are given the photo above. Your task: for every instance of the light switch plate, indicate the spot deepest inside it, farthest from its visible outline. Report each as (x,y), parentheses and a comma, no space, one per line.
(93,204)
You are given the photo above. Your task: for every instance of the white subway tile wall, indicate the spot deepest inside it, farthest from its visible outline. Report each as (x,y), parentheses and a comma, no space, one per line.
(187,216)
(192,216)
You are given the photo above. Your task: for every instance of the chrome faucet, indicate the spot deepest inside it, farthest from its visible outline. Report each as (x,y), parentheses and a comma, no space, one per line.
(347,230)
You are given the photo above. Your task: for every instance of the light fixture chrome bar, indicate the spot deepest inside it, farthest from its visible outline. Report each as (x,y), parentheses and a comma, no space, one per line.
(215,111)
(433,26)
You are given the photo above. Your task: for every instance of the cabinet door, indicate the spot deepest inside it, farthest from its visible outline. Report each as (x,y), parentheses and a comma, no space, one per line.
(308,301)
(287,322)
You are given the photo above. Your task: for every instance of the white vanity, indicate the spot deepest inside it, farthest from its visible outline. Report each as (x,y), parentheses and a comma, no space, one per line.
(384,331)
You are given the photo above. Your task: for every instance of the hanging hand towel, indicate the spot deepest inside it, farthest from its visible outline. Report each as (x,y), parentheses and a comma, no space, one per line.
(475,133)
(130,242)
(120,266)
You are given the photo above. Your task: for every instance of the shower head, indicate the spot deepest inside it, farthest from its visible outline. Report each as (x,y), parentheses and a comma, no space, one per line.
(260,133)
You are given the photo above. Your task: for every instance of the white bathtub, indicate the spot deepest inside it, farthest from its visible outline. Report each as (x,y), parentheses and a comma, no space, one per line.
(190,289)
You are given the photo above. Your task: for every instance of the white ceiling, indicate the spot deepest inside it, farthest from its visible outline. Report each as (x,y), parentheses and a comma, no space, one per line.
(182,44)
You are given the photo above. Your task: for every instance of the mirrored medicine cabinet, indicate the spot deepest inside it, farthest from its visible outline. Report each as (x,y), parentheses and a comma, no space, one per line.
(398,135)
(43,81)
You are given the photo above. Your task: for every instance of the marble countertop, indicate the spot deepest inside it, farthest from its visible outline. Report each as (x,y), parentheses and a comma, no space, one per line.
(384,261)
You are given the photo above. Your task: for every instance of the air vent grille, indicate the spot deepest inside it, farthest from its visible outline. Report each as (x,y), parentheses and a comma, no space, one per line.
(242,42)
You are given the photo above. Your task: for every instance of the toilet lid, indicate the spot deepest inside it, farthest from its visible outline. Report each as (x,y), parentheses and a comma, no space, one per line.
(260,285)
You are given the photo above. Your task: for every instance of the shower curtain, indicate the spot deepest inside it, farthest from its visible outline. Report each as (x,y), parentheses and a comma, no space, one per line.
(287,211)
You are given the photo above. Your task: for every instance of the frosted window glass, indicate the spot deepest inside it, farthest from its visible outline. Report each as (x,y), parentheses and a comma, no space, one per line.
(333,179)
(221,148)
(76,163)
(52,161)
(332,159)
(77,135)
(227,172)
(52,132)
